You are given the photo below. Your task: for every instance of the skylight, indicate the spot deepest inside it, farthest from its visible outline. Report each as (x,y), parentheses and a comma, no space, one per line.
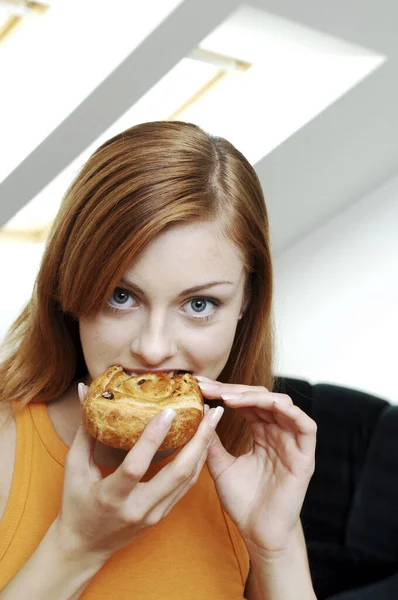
(255,80)
(295,74)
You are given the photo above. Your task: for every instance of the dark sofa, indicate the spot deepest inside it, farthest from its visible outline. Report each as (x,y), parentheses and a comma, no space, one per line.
(350,513)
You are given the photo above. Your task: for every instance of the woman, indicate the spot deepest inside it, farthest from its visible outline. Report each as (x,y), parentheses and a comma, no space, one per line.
(158,259)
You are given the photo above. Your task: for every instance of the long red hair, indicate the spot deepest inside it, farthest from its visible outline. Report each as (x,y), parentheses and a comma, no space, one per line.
(148,178)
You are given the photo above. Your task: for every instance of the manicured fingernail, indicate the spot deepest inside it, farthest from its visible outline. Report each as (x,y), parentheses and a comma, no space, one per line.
(217,414)
(206,408)
(232,396)
(202,378)
(166,416)
(80,391)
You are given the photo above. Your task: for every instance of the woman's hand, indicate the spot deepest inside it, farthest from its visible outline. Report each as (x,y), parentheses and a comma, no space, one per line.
(263,490)
(101,515)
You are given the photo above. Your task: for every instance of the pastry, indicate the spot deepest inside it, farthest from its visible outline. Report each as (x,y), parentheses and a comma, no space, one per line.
(118,406)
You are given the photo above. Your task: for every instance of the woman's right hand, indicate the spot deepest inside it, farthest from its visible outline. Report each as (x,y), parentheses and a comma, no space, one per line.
(101,515)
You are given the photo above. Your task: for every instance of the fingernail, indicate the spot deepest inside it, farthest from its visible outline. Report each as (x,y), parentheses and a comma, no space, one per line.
(202,378)
(166,416)
(206,408)
(217,414)
(231,396)
(80,391)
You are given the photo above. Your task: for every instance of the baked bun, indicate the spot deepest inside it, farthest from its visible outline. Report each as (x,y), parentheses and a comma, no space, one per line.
(118,406)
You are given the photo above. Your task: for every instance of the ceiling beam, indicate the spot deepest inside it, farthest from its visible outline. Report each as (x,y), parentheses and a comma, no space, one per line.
(174,39)
(367,23)
(344,152)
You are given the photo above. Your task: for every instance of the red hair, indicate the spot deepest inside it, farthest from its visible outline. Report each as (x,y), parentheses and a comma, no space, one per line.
(137,184)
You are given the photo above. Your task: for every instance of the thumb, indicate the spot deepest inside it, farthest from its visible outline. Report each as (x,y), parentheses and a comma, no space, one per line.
(83,443)
(81,454)
(83,440)
(218,459)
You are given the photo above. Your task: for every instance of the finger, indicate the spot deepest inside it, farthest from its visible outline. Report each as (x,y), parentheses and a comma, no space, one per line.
(238,387)
(166,506)
(80,458)
(259,399)
(251,412)
(203,378)
(294,417)
(122,481)
(214,389)
(83,443)
(183,467)
(258,404)
(254,407)
(254,415)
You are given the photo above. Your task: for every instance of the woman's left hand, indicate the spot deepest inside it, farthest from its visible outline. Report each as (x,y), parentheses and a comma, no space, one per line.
(263,490)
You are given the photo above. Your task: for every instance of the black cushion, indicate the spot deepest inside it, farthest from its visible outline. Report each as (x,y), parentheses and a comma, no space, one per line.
(382,590)
(350,513)
(337,569)
(373,523)
(346,420)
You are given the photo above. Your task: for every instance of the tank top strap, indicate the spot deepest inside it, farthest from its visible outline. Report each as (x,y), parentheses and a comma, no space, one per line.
(20,479)
(55,447)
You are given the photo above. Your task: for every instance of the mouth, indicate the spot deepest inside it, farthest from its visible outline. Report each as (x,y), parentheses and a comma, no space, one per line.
(169,373)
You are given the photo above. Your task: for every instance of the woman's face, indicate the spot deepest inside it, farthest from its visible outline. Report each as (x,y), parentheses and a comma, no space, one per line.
(177,307)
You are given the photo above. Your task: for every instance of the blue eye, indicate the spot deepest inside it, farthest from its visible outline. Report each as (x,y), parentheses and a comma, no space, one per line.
(121,298)
(202,308)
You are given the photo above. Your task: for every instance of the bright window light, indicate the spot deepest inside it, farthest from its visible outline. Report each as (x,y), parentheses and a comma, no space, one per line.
(47,70)
(292,74)
(295,74)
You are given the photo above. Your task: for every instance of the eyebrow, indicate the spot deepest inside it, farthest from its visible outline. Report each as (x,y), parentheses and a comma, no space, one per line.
(192,290)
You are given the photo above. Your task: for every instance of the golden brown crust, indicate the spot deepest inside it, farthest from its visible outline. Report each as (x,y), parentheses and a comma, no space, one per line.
(119,421)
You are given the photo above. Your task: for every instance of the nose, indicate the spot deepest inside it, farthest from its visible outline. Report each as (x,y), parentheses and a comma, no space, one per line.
(154,343)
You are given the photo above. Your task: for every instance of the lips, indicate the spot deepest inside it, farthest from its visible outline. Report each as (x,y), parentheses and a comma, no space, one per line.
(170,373)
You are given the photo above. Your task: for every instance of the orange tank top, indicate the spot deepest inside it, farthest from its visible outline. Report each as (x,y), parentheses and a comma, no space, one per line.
(195,553)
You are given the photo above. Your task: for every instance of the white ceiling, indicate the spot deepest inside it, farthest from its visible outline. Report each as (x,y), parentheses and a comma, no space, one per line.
(331,161)
(323,168)
(352,146)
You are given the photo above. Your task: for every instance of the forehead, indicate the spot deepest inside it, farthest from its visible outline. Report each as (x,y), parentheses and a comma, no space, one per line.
(187,255)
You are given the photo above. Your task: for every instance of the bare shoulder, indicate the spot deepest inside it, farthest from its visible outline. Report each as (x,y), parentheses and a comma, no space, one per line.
(8,438)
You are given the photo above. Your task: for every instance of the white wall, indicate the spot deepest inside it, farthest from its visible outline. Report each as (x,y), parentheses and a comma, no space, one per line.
(336,300)
(19,264)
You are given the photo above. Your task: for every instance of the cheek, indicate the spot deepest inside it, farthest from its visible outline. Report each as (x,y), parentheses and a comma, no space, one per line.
(101,341)
(211,347)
